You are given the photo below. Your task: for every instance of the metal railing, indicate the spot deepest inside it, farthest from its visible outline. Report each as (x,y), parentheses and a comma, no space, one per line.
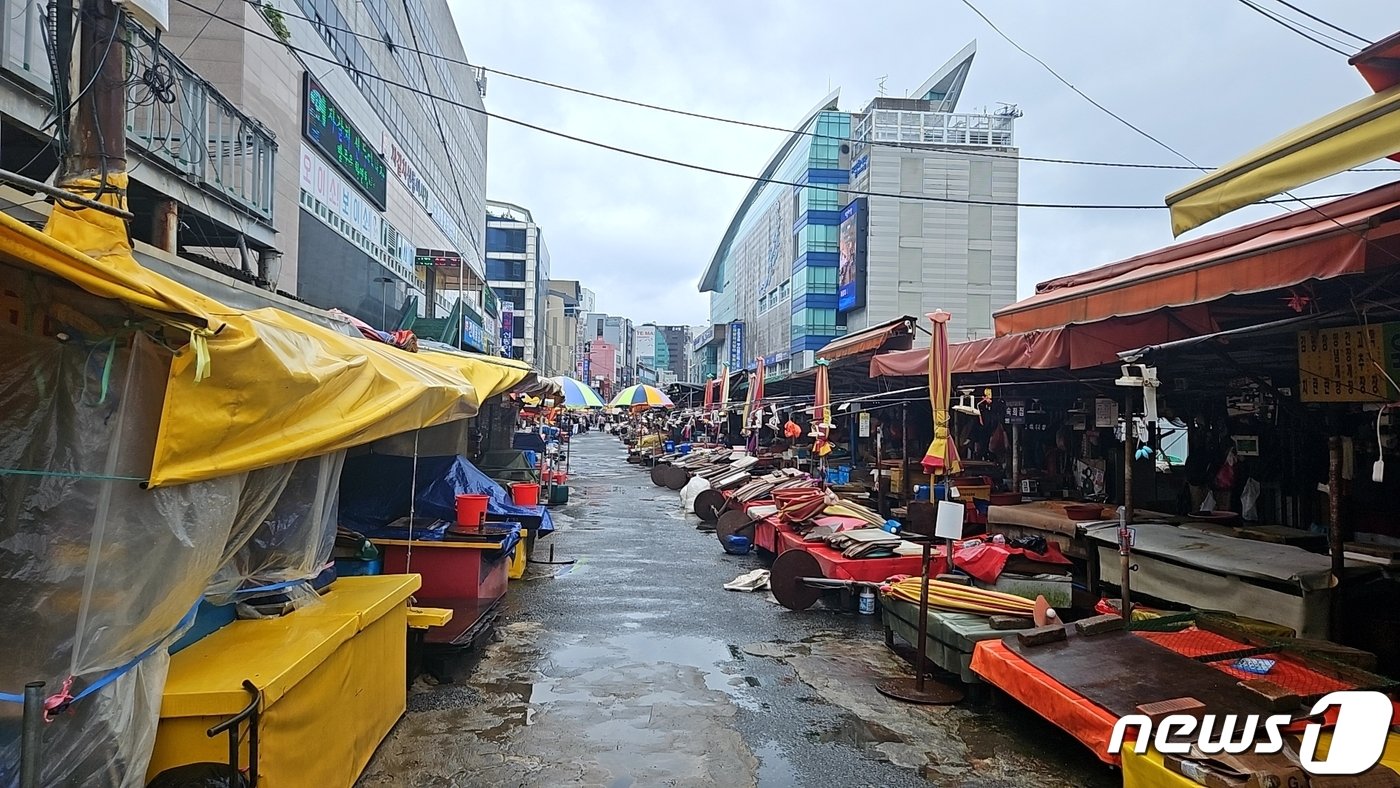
(173,114)
(176,115)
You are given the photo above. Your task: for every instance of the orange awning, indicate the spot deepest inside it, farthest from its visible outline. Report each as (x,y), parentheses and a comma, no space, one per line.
(1070,347)
(867,339)
(1308,244)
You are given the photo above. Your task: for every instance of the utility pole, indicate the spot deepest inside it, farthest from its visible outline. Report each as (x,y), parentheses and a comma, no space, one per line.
(98,122)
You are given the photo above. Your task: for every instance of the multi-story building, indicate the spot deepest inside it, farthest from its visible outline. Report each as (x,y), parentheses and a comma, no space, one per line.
(517,268)
(673,351)
(566,305)
(892,215)
(619,334)
(600,367)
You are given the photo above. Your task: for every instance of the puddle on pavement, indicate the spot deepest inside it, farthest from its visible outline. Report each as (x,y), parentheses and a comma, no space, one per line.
(857,733)
(774,769)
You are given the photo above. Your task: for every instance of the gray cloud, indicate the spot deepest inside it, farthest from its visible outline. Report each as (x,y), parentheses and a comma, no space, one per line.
(1209,77)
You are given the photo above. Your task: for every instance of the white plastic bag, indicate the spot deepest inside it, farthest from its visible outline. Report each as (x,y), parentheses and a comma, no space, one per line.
(1208,503)
(1249,501)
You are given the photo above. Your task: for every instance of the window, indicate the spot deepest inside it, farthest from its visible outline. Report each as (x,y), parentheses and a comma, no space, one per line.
(979,222)
(911,220)
(911,175)
(979,179)
(509,270)
(979,266)
(505,239)
(817,238)
(519,327)
(979,312)
(515,295)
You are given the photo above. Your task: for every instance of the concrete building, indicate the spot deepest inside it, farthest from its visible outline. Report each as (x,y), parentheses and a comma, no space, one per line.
(673,352)
(798,267)
(600,367)
(517,268)
(620,335)
(566,305)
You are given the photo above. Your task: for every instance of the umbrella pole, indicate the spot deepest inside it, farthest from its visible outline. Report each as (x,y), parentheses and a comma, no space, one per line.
(920,690)
(1125,521)
(904,480)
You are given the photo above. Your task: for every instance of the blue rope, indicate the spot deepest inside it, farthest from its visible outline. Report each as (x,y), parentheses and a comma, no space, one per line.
(273,587)
(69,475)
(113,675)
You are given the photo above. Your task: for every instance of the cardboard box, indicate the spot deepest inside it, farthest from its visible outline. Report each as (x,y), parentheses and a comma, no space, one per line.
(1239,771)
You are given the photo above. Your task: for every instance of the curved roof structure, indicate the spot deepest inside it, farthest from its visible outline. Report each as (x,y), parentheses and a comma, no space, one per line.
(708,281)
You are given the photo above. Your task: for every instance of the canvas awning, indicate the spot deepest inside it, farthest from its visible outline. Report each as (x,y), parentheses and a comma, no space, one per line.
(1068,347)
(1359,133)
(254,389)
(1308,244)
(867,339)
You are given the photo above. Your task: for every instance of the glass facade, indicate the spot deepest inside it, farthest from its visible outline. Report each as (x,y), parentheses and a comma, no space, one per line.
(511,270)
(505,239)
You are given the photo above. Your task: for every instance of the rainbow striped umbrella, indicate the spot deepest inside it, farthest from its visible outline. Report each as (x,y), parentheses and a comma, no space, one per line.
(579,395)
(942,454)
(641,394)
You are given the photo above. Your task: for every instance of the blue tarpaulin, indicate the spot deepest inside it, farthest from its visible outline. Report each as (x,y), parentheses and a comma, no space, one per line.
(375,490)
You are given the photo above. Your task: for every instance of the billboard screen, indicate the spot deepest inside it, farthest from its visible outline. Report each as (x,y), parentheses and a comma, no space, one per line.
(851,256)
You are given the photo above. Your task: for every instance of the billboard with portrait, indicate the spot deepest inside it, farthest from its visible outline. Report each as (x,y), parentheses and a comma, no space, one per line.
(851,256)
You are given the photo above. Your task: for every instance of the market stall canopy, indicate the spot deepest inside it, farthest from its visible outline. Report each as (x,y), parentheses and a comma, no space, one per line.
(1067,347)
(577,394)
(896,334)
(1359,133)
(251,389)
(1315,243)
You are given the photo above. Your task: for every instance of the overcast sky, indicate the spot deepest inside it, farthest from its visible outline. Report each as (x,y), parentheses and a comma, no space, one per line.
(1211,78)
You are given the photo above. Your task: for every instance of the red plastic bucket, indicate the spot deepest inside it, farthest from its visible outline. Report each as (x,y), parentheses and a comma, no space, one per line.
(525,493)
(471,510)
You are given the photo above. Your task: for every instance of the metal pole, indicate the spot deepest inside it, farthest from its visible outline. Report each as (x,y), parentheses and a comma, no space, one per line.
(904,481)
(30,734)
(1124,546)
(1334,523)
(1016,458)
(922,649)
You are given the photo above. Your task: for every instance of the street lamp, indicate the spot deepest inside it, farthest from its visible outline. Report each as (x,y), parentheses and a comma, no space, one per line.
(383,302)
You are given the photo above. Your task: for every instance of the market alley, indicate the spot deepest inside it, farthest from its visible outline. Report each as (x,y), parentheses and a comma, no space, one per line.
(633,667)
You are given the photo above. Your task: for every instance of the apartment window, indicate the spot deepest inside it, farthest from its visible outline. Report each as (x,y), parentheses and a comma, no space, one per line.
(505,239)
(979,266)
(519,327)
(979,312)
(514,295)
(509,270)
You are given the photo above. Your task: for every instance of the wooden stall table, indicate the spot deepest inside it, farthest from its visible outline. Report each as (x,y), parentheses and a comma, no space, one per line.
(331,672)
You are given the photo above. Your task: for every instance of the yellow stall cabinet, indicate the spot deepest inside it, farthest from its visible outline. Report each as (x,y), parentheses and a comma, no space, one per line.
(332,676)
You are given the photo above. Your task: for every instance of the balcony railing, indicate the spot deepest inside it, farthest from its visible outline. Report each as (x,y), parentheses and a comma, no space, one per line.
(177,116)
(187,124)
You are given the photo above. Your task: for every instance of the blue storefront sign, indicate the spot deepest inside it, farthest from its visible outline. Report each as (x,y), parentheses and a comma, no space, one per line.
(588,370)
(859,166)
(736,344)
(473,335)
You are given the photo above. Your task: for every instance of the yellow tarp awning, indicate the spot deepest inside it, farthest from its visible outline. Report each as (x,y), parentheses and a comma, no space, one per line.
(1359,133)
(272,387)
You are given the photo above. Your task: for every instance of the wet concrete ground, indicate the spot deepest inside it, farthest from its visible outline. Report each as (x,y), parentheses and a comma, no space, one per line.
(634,667)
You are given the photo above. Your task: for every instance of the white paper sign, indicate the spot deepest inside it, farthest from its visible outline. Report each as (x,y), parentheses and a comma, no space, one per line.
(949,524)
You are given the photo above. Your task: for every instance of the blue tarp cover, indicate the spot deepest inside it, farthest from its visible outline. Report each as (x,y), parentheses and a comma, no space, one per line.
(375,489)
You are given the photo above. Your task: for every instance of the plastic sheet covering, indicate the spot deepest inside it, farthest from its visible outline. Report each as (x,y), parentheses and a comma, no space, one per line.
(375,490)
(95,572)
(294,540)
(249,390)
(691,491)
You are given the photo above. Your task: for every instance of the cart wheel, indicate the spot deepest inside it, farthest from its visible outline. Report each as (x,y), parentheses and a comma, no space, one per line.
(676,478)
(785,581)
(658,475)
(708,505)
(731,523)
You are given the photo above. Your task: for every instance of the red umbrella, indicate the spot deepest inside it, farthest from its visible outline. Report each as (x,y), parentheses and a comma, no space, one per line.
(942,454)
(709,394)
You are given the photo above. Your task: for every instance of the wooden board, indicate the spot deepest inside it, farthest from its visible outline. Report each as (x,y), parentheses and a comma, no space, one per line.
(1120,671)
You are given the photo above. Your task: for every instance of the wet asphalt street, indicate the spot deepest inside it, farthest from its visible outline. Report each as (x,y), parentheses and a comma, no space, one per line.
(634,667)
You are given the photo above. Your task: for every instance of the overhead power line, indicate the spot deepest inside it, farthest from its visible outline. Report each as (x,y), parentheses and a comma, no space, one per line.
(1290,26)
(730,120)
(1081,93)
(1320,20)
(701,167)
